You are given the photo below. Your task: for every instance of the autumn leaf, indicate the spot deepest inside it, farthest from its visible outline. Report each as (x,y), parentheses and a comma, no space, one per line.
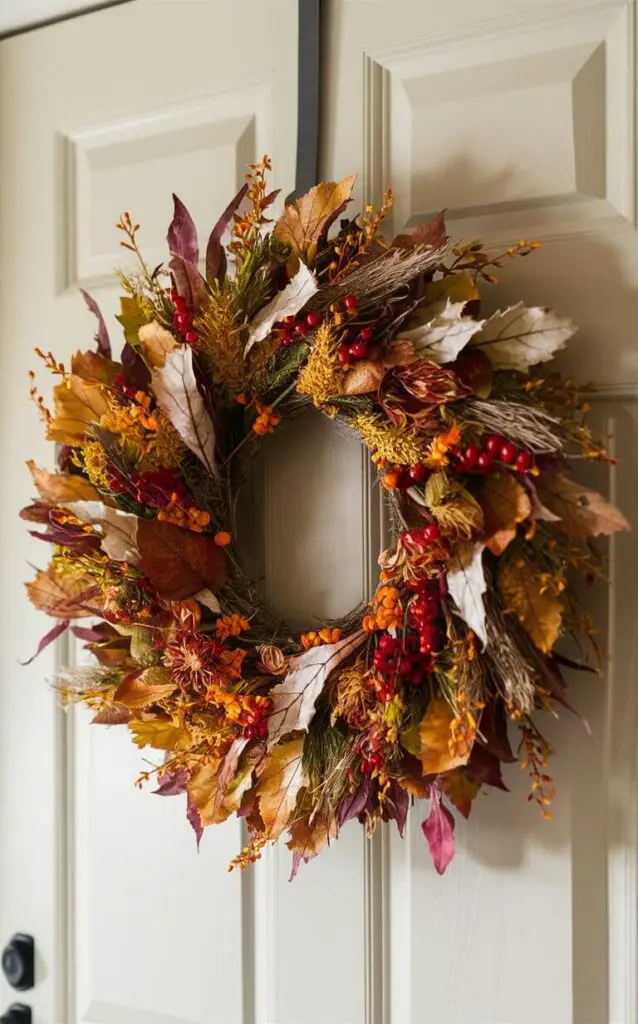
(466,585)
(155,343)
(139,690)
(65,595)
(102,335)
(533,599)
(215,252)
(76,404)
(288,302)
(279,783)
(207,787)
(60,488)
(429,232)
(458,287)
(439,332)
(179,563)
(175,388)
(159,733)
(309,217)
(461,788)
(181,237)
(523,336)
(364,377)
(231,785)
(505,504)
(438,829)
(94,368)
(309,837)
(112,714)
(118,529)
(131,316)
(293,700)
(582,513)
(435,733)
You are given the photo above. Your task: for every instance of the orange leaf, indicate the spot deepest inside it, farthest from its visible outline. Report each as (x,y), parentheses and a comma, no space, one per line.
(94,368)
(505,504)
(60,488)
(461,788)
(305,220)
(64,595)
(139,690)
(583,513)
(429,232)
(279,783)
(435,734)
(178,562)
(76,405)
(534,602)
(309,839)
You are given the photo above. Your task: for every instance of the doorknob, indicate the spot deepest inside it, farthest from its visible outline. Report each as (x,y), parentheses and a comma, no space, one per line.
(18,963)
(17,1014)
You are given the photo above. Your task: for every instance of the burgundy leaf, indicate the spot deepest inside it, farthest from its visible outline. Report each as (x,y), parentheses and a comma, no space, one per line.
(486,767)
(65,454)
(429,232)
(493,731)
(297,858)
(134,370)
(53,634)
(215,254)
(553,679)
(102,335)
(188,281)
(172,784)
(577,666)
(396,805)
(438,829)
(182,234)
(355,804)
(195,821)
(92,634)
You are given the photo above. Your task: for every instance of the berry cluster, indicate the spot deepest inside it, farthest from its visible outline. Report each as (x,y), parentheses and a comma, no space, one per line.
(183,318)
(154,488)
(424,614)
(493,449)
(421,537)
(397,658)
(294,328)
(404,476)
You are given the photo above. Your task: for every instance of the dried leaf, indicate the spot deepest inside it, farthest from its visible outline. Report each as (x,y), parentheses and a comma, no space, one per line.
(49,638)
(102,335)
(428,233)
(156,343)
(309,838)
(355,804)
(172,783)
(141,689)
(364,377)
(194,820)
(188,281)
(583,513)
(112,714)
(505,504)
(279,783)
(288,302)
(175,388)
(461,788)
(534,603)
(523,336)
(76,404)
(159,733)
(435,734)
(466,584)
(59,488)
(119,529)
(458,287)
(208,599)
(65,595)
(94,368)
(294,698)
(131,316)
(438,829)
(230,790)
(475,370)
(179,563)
(439,332)
(309,217)
(215,253)
(206,790)
(182,233)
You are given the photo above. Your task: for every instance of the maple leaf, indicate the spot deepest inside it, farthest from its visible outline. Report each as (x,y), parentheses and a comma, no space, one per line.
(466,584)
(59,488)
(94,368)
(293,700)
(309,217)
(280,780)
(156,343)
(288,302)
(65,595)
(76,404)
(532,599)
(435,733)
(429,232)
(505,504)
(461,788)
(159,733)
(523,336)
(175,388)
(438,829)
(440,331)
(309,837)
(119,529)
(179,563)
(141,689)
(582,513)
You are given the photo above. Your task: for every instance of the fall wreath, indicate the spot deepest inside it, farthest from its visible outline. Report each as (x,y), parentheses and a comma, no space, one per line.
(417,693)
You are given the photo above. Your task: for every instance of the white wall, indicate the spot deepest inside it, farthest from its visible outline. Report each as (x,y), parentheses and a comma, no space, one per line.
(16,14)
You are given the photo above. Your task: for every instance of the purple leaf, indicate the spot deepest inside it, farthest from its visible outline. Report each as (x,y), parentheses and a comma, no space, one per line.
(215,254)
(355,803)
(53,634)
(553,678)
(486,767)
(438,829)
(172,784)
(91,634)
(188,281)
(195,821)
(396,806)
(135,371)
(296,861)
(182,234)
(102,335)
(493,730)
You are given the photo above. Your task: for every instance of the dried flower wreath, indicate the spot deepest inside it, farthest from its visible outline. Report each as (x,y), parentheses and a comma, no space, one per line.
(408,697)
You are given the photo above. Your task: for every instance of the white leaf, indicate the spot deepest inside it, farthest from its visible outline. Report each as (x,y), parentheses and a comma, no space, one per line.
(287,302)
(467,586)
(175,389)
(445,333)
(523,336)
(208,599)
(294,698)
(119,529)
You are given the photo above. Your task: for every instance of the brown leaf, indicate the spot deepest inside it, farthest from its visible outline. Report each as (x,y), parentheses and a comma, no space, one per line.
(435,739)
(364,377)
(94,368)
(532,599)
(429,232)
(178,562)
(141,689)
(60,488)
(459,287)
(161,733)
(76,404)
(279,783)
(112,714)
(505,504)
(204,791)
(411,777)
(306,220)
(65,595)
(155,343)
(307,838)
(583,513)
(461,788)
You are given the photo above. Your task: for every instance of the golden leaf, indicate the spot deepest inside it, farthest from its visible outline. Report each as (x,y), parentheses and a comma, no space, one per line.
(308,838)
(139,690)
(435,731)
(279,783)
(202,789)
(305,220)
(532,599)
(160,733)
(461,788)
(155,343)
(457,512)
(455,287)
(132,316)
(505,504)
(583,513)
(60,488)
(64,595)
(76,405)
(93,368)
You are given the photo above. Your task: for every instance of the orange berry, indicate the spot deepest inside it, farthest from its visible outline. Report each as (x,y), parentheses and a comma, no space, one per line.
(390,479)
(222,539)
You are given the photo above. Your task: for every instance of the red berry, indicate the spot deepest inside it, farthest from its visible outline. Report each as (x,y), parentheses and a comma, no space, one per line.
(457,454)
(417,473)
(508,452)
(405,480)
(366,334)
(287,339)
(191,337)
(344,355)
(493,443)
(471,456)
(387,642)
(182,320)
(314,319)
(524,462)
(484,462)
(413,538)
(299,330)
(350,302)
(358,350)
(290,320)
(180,303)
(431,532)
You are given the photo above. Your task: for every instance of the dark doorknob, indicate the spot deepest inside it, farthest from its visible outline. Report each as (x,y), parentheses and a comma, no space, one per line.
(18,962)
(17,1014)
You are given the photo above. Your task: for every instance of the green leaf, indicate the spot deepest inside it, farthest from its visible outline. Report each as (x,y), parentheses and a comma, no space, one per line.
(132,317)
